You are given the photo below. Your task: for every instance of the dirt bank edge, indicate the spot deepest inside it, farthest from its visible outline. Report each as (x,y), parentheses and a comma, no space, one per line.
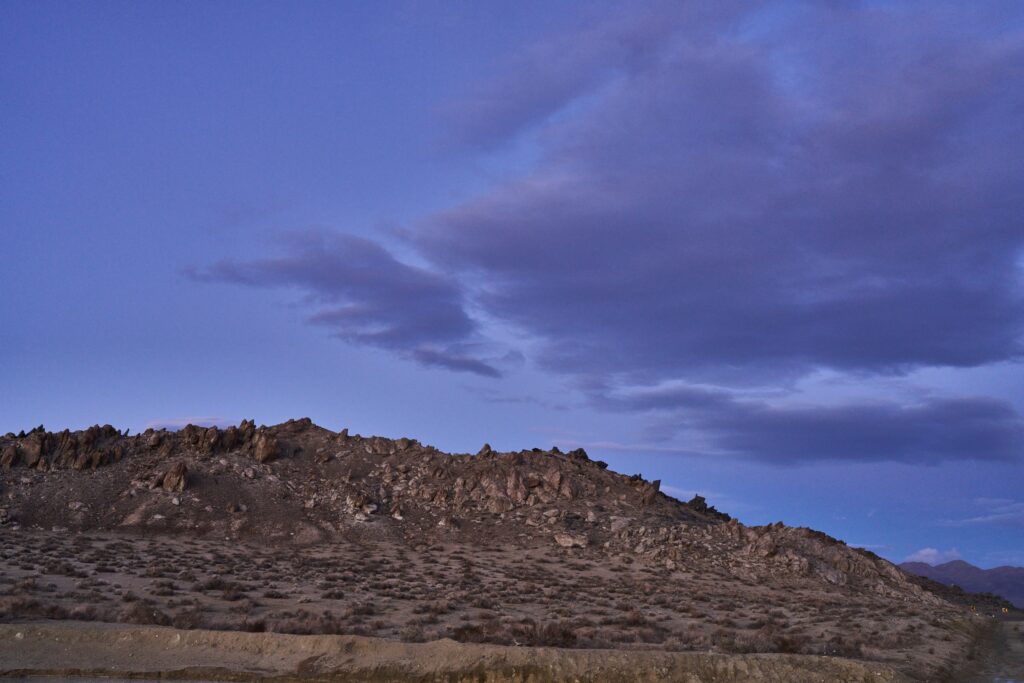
(74,648)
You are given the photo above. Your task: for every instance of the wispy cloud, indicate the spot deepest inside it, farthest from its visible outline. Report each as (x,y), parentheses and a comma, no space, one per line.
(933,556)
(995,512)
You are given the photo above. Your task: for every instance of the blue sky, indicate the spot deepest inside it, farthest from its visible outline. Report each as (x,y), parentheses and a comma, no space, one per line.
(772,252)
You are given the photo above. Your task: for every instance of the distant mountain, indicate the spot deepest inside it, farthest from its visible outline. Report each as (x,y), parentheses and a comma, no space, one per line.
(1006,582)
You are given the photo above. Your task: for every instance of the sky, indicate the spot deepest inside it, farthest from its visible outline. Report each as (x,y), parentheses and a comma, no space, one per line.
(768,252)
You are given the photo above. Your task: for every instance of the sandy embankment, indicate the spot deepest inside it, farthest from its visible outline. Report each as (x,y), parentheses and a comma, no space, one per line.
(69,648)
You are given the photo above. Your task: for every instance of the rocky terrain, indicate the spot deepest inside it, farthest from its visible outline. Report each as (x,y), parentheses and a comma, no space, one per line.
(298,529)
(1005,582)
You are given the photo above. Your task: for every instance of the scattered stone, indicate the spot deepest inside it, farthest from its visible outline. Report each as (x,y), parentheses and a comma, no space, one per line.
(570,541)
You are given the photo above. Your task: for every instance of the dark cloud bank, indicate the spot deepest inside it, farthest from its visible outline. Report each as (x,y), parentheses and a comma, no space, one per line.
(929,431)
(737,197)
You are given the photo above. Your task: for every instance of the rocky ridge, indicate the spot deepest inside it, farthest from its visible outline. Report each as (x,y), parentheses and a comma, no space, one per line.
(300,480)
(325,492)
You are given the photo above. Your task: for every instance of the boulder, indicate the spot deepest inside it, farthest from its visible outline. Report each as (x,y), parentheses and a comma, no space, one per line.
(9,458)
(175,479)
(570,540)
(209,440)
(32,449)
(650,492)
(699,504)
(578,454)
(154,439)
(265,447)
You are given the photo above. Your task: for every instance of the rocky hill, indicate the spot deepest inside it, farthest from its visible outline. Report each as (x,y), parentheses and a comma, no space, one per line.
(301,529)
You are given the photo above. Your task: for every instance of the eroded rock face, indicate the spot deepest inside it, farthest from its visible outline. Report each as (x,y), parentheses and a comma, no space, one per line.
(9,456)
(265,447)
(175,479)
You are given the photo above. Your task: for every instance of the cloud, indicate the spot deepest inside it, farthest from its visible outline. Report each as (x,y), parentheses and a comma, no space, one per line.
(554,73)
(996,512)
(454,362)
(946,429)
(932,556)
(925,432)
(366,296)
(727,196)
(837,192)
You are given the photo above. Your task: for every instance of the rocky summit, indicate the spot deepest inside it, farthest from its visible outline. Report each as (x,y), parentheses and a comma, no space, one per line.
(300,529)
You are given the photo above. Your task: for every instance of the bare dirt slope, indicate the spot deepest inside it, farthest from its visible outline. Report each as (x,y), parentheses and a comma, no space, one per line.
(295,528)
(117,651)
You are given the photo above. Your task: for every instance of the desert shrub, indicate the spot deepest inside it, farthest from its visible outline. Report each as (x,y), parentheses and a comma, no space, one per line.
(632,618)
(412,633)
(361,609)
(489,630)
(548,633)
(483,602)
(139,613)
(190,618)
(434,607)
(257,626)
(307,623)
(231,594)
(31,608)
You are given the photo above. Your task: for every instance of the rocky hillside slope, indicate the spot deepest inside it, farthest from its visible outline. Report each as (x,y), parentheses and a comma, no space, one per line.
(562,532)
(298,481)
